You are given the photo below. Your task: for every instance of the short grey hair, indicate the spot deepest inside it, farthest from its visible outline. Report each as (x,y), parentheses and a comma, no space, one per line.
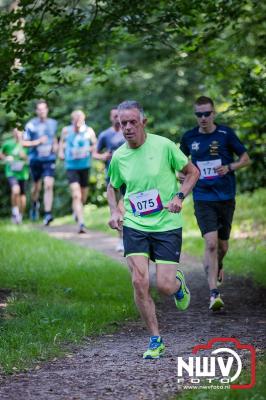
(129,105)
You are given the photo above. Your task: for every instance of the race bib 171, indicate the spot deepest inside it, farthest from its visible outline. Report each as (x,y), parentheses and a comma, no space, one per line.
(145,203)
(208,168)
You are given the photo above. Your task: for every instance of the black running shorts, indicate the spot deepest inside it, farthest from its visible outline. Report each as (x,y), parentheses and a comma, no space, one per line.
(80,176)
(20,182)
(41,169)
(160,247)
(215,216)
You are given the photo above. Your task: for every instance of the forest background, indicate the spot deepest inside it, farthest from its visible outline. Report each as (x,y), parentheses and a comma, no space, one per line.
(94,54)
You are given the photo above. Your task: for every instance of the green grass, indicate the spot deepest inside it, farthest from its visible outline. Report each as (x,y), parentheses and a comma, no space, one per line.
(247,253)
(256,393)
(95,219)
(60,294)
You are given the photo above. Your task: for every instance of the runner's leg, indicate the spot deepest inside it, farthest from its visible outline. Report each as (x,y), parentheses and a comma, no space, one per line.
(22,205)
(211,257)
(84,194)
(48,193)
(15,196)
(139,266)
(166,279)
(77,206)
(223,246)
(35,191)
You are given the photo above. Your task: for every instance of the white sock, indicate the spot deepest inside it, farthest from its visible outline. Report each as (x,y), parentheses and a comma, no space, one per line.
(15,211)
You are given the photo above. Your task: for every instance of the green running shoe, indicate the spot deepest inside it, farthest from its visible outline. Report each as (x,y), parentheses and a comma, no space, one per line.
(216,303)
(156,348)
(182,297)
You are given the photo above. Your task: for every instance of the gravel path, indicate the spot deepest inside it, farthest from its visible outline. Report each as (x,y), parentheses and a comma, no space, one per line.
(111,367)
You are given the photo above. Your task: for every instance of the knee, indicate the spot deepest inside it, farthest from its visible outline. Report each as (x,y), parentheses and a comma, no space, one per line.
(16,190)
(211,246)
(48,186)
(141,285)
(76,195)
(36,188)
(165,287)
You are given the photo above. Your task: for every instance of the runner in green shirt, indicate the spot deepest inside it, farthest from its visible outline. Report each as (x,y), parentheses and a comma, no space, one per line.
(17,173)
(152,225)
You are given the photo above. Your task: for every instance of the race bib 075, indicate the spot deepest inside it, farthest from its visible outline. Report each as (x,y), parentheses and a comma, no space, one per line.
(207,168)
(145,203)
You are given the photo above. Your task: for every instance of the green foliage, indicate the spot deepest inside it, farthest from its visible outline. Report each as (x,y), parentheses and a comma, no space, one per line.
(96,54)
(60,294)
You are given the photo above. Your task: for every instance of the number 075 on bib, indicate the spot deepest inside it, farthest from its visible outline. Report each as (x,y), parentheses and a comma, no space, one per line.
(145,203)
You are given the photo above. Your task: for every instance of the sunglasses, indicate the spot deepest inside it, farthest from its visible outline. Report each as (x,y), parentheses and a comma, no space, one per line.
(203,114)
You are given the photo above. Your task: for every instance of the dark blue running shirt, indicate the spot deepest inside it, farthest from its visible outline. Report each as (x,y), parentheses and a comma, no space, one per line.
(207,151)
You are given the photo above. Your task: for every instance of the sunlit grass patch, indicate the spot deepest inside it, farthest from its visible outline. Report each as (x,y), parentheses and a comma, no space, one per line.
(60,293)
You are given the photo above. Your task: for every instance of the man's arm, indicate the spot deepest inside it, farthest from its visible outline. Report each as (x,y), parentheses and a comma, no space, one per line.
(34,143)
(98,153)
(61,146)
(116,219)
(102,156)
(191,175)
(243,161)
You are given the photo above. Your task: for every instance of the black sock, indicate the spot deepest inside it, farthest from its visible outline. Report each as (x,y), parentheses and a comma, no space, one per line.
(214,292)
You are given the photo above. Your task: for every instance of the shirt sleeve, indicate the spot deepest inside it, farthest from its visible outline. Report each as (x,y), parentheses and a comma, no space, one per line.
(101,143)
(184,147)
(178,159)
(114,174)
(27,133)
(235,143)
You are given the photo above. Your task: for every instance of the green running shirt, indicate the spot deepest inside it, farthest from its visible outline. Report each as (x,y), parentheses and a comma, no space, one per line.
(153,165)
(18,167)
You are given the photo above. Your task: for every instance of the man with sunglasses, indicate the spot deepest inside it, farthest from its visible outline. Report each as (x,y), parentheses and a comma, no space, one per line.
(212,148)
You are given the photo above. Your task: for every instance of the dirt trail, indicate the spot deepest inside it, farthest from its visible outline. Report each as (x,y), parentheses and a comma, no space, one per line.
(111,367)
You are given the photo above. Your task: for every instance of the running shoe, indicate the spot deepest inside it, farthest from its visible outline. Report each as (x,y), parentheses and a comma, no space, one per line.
(16,219)
(34,211)
(216,303)
(156,348)
(48,218)
(82,229)
(182,296)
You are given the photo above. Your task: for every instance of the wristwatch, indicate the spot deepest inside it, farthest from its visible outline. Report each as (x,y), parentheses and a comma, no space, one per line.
(180,195)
